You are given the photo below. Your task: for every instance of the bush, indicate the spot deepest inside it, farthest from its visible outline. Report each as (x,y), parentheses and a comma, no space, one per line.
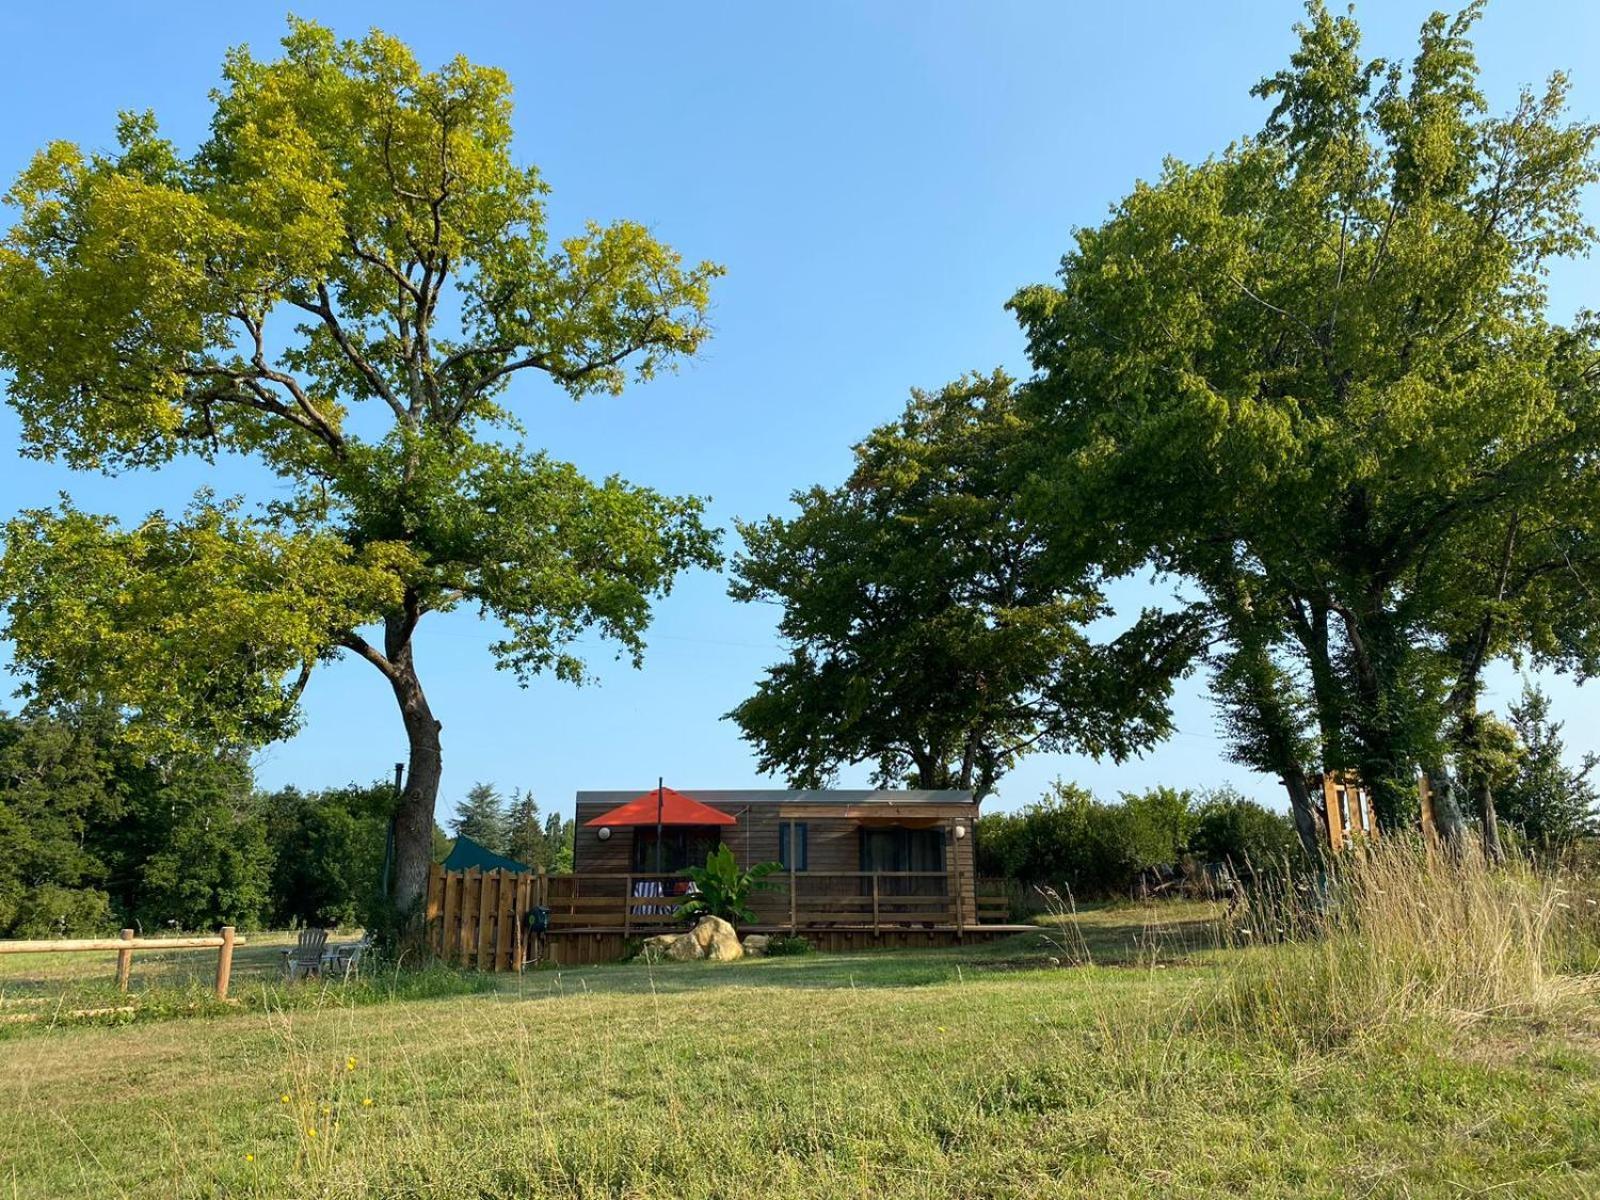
(51,911)
(1073,842)
(1230,828)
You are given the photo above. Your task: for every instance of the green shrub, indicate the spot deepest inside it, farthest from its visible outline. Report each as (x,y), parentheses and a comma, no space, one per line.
(51,911)
(1072,842)
(723,889)
(1230,828)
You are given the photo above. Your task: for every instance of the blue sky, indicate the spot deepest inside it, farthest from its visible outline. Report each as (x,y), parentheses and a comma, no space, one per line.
(877,178)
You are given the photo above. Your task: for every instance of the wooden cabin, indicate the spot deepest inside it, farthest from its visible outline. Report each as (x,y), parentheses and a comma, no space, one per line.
(858,869)
(833,845)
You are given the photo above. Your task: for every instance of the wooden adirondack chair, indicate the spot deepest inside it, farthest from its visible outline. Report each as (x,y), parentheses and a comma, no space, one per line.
(306,957)
(346,958)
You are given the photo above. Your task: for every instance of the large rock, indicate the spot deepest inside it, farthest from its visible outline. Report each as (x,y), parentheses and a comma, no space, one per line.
(756,944)
(657,948)
(717,940)
(684,948)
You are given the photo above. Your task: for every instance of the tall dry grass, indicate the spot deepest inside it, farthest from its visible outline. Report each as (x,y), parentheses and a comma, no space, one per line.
(1397,930)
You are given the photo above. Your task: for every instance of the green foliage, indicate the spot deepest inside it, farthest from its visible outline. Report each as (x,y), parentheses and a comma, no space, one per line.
(1549,802)
(46,910)
(1070,841)
(1313,375)
(56,795)
(482,817)
(933,634)
(213,867)
(538,841)
(95,833)
(369,214)
(723,889)
(1230,828)
(201,630)
(328,852)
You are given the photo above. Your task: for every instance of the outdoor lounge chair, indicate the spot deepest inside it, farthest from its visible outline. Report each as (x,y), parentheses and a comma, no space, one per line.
(307,955)
(345,958)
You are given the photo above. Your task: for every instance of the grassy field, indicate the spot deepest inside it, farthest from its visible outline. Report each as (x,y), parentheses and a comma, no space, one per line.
(984,1071)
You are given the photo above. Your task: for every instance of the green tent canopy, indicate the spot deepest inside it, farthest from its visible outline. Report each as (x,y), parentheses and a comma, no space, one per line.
(466,854)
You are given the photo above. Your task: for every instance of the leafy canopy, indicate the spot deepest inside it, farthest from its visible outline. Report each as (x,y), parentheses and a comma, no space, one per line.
(933,633)
(341,283)
(1311,372)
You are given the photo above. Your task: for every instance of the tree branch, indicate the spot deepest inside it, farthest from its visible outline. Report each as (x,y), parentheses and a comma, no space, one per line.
(353,641)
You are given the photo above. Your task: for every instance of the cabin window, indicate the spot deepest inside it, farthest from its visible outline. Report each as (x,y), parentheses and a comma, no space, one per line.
(896,848)
(801,855)
(681,846)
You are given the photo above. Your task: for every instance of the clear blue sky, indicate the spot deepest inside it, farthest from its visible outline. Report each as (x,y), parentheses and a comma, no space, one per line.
(878,179)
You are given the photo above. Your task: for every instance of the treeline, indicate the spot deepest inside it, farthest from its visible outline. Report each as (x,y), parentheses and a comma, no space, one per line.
(515,828)
(1071,841)
(95,836)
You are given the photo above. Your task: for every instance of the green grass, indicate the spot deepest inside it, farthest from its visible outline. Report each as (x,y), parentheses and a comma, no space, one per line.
(983,1071)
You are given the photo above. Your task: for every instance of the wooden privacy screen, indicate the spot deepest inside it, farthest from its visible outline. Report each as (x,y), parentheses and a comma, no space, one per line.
(479,918)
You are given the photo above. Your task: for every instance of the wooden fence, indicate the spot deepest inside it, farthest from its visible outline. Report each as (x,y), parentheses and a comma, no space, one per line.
(125,946)
(480,918)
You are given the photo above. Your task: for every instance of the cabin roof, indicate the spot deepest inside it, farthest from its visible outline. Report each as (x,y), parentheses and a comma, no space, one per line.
(723,798)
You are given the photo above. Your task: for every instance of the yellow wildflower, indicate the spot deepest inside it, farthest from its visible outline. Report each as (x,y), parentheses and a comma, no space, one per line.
(366,1102)
(284,1098)
(350,1064)
(311,1132)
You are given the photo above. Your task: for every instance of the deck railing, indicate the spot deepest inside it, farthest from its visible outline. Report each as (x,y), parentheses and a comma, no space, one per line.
(481,917)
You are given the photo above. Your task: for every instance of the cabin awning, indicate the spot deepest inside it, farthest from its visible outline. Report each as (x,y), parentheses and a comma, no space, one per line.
(675,809)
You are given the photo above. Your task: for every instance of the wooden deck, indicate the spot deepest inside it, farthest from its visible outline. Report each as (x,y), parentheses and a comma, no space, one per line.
(481,919)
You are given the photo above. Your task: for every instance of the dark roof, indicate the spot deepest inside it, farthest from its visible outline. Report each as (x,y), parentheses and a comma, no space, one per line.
(466,854)
(724,798)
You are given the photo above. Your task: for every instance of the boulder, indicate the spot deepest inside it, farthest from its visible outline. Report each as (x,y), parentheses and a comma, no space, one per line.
(657,948)
(755,944)
(716,939)
(684,948)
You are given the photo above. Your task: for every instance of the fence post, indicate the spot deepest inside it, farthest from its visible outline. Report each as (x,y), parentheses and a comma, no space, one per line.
(875,930)
(225,962)
(794,926)
(627,905)
(124,962)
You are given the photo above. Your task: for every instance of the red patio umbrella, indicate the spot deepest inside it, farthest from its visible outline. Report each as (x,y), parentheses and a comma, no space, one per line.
(660,808)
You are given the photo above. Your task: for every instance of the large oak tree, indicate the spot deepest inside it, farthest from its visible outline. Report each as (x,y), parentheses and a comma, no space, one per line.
(339,284)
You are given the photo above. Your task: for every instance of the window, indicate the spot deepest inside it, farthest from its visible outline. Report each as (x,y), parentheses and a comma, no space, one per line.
(897,849)
(681,846)
(801,851)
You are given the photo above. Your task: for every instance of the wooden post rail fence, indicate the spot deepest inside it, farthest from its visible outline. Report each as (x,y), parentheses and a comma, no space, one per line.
(125,945)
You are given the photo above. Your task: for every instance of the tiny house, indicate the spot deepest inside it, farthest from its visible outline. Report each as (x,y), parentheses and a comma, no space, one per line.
(832,844)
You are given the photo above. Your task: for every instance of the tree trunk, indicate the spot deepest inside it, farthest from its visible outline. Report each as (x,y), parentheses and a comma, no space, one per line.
(413,819)
(1492,849)
(1447,822)
(1309,821)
